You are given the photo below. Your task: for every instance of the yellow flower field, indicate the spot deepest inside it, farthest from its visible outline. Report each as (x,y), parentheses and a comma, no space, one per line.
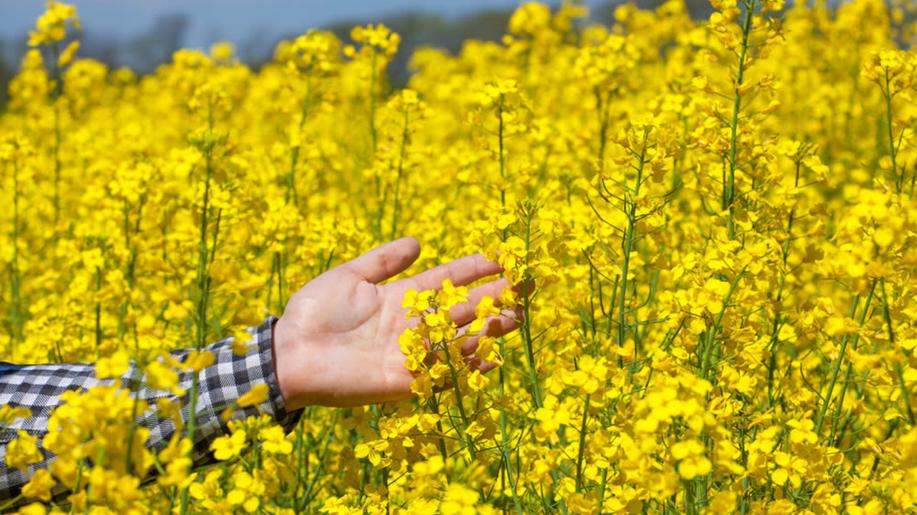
(716,221)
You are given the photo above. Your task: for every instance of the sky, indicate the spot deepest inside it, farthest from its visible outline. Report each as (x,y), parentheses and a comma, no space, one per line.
(232,20)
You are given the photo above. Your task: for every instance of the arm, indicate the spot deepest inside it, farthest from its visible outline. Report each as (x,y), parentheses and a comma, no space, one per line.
(335,345)
(39,387)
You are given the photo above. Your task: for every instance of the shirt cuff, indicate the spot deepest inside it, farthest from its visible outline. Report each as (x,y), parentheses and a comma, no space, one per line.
(226,380)
(265,340)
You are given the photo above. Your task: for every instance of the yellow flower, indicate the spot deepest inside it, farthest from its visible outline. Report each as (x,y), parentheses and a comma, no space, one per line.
(23,451)
(257,395)
(241,343)
(9,413)
(67,55)
(485,308)
(39,486)
(788,468)
(275,441)
(178,463)
(803,431)
(451,295)
(198,360)
(227,447)
(161,377)
(247,491)
(52,24)
(379,37)
(338,506)
(374,451)
(459,500)
(417,302)
(477,381)
(113,366)
(33,509)
(691,459)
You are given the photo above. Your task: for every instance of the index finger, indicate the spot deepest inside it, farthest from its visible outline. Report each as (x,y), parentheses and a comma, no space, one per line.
(461,271)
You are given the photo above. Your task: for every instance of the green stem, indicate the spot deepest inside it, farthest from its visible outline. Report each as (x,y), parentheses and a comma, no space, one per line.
(891,136)
(372,103)
(504,443)
(629,238)
(602,106)
(10,503)
(729,188)
(526,328)
(397,194)
(836,435)
(820,417)
(905,394)
(775,328)
(132,429)
(708,371)
(98,312)
(690,501)
(502,156)
(294,152)
(582,444)
(55,94)
(602,490)
(327,437)
(16,314)
(459,402)
(202,293)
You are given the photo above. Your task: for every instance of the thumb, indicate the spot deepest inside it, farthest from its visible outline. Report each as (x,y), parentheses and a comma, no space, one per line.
(386,260)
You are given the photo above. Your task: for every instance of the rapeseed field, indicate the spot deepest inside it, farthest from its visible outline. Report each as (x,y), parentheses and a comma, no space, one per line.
(714,224)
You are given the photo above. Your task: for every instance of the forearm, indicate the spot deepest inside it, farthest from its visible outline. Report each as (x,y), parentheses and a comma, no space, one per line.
(220,385)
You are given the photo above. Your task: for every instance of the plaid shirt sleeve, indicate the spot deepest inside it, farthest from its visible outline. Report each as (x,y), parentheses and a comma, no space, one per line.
(38,387)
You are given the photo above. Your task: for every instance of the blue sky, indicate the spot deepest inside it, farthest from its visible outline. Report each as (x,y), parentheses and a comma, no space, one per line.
(232,20)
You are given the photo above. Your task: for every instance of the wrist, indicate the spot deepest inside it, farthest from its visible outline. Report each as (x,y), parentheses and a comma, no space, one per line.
(289,367)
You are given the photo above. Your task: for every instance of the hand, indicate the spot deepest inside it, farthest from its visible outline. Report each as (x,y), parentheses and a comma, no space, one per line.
(337,341)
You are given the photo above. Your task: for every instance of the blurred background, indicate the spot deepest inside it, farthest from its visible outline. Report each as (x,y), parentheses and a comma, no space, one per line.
(141,34)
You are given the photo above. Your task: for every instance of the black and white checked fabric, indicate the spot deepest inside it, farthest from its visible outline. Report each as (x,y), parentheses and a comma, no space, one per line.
(38,387)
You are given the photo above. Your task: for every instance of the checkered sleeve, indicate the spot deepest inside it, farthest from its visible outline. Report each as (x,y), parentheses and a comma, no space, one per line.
(39,387)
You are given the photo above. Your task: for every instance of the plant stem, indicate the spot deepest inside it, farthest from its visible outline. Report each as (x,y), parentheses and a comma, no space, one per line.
(203,283)
(820,417)
(905,394)
(729,188)
(502,156)
(459,401)
(295,152)
(504,444)
(98,312)
(372,102)
(15,275)
(892,149)
(55,94)
(526,329)
(397,194)
(708,371)
(630,210)
(582,444)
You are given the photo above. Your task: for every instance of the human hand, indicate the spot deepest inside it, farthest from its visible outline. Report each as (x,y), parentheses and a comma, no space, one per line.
(337,341)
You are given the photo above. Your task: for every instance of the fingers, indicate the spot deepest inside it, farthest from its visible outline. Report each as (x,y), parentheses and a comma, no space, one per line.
(463,313)
(474,363)
(482,366)
(494,327)
(386,260)
(460,271)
